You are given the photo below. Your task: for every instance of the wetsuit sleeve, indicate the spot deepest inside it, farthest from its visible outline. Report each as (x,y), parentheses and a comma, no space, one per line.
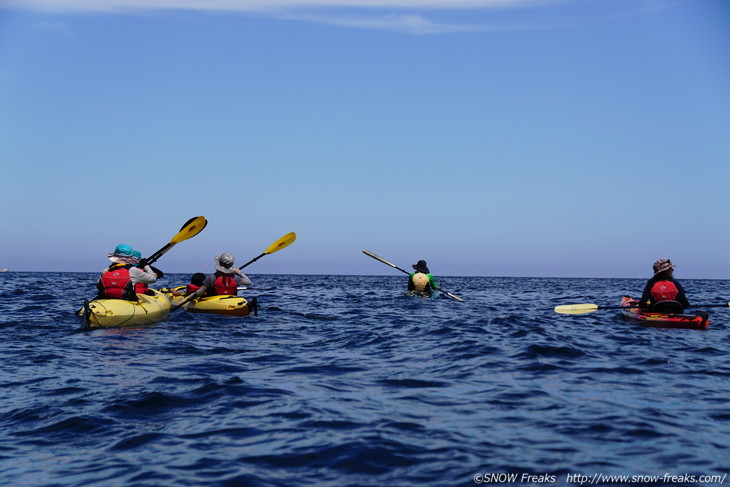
(146,275)
(208,283)
(681,296)
(646,296)
(432,282)
(411,286)
(242,279)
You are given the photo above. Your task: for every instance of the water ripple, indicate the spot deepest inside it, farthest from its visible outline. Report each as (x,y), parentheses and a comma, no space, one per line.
(342,381)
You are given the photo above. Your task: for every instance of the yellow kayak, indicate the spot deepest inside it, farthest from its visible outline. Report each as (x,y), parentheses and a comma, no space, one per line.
(218,305)
(111,313)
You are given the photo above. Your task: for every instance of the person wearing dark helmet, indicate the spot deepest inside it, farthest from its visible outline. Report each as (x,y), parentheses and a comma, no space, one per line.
(663,294)
(421,282)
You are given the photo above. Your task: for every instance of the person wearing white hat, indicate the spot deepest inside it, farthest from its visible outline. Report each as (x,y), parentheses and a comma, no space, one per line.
(119,280)
(226,278)
(662,293)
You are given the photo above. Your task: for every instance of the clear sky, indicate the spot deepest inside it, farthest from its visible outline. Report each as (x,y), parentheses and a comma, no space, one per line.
(566,138)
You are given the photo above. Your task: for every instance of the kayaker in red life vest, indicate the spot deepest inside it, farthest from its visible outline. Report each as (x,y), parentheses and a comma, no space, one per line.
(119,280)
(662,293)
(143,287)
(421,281)
(225,280)
(196,280)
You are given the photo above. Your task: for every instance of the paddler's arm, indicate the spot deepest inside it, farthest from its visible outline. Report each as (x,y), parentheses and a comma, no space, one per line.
(681,295)
(433,284)
(146,275)
(199,292)
(241,278)
(411,286)
(208,283)
(646,295)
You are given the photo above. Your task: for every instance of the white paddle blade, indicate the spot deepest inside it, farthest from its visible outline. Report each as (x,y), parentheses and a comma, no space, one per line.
(576,309)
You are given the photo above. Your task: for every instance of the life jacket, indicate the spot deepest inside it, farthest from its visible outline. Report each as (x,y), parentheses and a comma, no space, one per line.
(115,283)
(191,288)
(141,288)
(664,291)
(420,281)
(225,284)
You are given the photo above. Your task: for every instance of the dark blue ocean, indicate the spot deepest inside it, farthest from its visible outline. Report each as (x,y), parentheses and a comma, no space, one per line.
(340,381)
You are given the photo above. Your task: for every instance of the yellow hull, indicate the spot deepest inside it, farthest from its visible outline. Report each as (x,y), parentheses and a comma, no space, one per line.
(112,313)
(219,305)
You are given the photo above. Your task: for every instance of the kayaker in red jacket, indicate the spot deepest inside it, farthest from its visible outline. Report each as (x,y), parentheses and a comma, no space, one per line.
(226,278)
(119,280)
(143,287)
(196,280)
(663,293)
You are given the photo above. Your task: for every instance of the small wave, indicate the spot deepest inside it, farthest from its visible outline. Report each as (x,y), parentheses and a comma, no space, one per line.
(534,351)
(411,383)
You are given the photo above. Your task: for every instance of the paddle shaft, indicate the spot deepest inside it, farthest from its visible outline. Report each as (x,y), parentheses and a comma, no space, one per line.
(192,296)
(190,229)
(590,308)
(283,242)
(690,306)
(189,298)
(378,258)
(153,258)
(252,261)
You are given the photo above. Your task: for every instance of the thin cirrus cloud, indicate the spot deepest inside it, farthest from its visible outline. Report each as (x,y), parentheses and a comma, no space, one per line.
(407,16)
(262,5)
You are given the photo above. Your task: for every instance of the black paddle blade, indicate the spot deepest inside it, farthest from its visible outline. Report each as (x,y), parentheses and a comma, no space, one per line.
(86,325)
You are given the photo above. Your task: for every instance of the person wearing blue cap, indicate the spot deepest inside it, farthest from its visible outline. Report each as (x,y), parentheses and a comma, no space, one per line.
(141,287)
(119,280)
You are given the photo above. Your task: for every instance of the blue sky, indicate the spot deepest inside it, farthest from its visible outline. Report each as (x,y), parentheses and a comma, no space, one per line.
(567,138)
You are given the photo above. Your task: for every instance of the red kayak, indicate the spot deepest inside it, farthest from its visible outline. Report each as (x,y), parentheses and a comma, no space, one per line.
(697,321)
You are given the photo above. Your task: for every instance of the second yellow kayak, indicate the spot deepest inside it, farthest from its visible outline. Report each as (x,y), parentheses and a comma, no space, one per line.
(219,305)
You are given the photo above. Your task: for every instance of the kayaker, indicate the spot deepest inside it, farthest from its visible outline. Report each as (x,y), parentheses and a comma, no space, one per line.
(143,287)
(119,280)
(663,294)
(226,278)
(421,281)
(196,280)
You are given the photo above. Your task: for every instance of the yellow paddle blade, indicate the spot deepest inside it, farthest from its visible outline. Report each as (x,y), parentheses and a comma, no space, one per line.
(284,241)
(191,228)
(576,309)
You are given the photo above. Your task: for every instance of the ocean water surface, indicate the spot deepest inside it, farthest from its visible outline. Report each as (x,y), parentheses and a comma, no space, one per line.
(340,381)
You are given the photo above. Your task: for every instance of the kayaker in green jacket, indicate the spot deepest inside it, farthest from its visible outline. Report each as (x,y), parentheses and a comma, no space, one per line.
(421,281)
